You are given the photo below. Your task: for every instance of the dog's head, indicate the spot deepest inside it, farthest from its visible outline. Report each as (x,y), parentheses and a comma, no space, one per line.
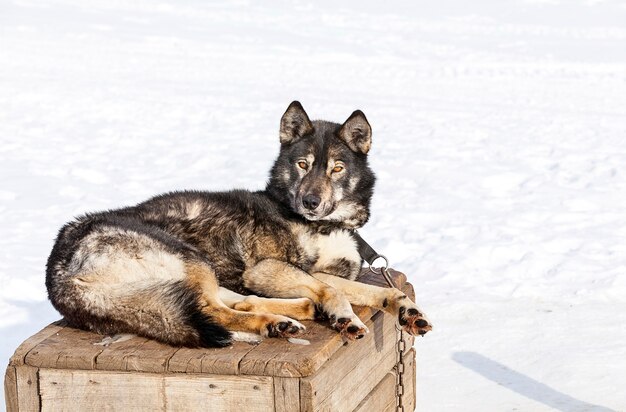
(321,172)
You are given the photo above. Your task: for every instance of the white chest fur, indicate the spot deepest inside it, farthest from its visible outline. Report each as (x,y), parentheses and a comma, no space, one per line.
(327,249)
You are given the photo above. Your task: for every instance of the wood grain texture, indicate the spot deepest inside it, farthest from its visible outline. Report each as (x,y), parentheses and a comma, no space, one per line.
(27,388)
(280,358)
(287,394)
(274,357)
(26,346)
(353,371)
(221,361)
(116,355)
(150,356)
(65,390)
(219,393)
(76,349)
(410,381)
(10,389)
(67,349)
(382,398)
(76,390)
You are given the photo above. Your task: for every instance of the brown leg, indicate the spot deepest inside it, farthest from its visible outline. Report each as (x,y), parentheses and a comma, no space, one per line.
(391,300)
(279,279)
(202,277)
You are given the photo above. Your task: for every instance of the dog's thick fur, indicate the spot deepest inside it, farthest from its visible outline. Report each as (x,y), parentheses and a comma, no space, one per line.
(178,267)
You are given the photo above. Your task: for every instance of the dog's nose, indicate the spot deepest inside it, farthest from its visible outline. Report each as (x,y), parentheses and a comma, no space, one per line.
(311,202)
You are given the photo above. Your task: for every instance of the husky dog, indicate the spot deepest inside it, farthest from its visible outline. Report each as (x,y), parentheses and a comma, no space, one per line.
(189,268)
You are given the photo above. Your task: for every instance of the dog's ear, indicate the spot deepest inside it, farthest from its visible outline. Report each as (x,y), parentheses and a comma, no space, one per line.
(357,132)
(294,124)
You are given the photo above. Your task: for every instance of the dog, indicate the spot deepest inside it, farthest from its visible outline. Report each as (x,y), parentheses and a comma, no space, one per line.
(191,268)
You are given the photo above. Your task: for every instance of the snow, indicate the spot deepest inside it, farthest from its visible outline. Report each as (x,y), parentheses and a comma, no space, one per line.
(499,143)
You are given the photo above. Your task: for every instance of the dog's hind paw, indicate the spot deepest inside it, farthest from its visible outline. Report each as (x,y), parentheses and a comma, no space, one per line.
(283,327)
(350,329)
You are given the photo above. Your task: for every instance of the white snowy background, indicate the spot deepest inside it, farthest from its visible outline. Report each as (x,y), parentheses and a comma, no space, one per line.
(499,143)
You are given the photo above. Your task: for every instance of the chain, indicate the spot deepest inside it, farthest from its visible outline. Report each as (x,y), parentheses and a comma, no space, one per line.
(400,344)
(400,371)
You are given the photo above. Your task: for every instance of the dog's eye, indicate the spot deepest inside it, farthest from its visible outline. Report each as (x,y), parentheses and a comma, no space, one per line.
(302,165)
(337,169)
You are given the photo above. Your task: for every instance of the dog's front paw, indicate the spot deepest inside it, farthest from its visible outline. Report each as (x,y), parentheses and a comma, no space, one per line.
(413,320)
(283,327)
(410,317)
(350,328)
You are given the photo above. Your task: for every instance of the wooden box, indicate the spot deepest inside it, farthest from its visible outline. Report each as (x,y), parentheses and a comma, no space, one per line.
(62,369)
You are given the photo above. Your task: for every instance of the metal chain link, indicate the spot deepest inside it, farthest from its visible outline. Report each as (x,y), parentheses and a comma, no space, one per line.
(400,344)
(400,371)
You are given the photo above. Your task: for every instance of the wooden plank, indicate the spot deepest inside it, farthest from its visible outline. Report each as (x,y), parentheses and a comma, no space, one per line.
(283,359)
(409,290)
(274,357)
(382,398)
(353,371)
(71,390)
(187,360)
(410,381)
(219,393)
(80,390)
(150,356)
(385,391)
(219,361)
(115,356)
(67,349)
(72,348)
(27,388)
(287,394)
(10,389)
(349,394)
(26,346)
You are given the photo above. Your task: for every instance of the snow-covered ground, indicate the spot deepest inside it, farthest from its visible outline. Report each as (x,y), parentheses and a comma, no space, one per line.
(499,143)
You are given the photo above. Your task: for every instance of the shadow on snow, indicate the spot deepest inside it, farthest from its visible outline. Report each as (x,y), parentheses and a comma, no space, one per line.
(523,385)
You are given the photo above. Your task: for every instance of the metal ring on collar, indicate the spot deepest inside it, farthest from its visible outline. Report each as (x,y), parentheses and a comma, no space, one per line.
(375,259)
